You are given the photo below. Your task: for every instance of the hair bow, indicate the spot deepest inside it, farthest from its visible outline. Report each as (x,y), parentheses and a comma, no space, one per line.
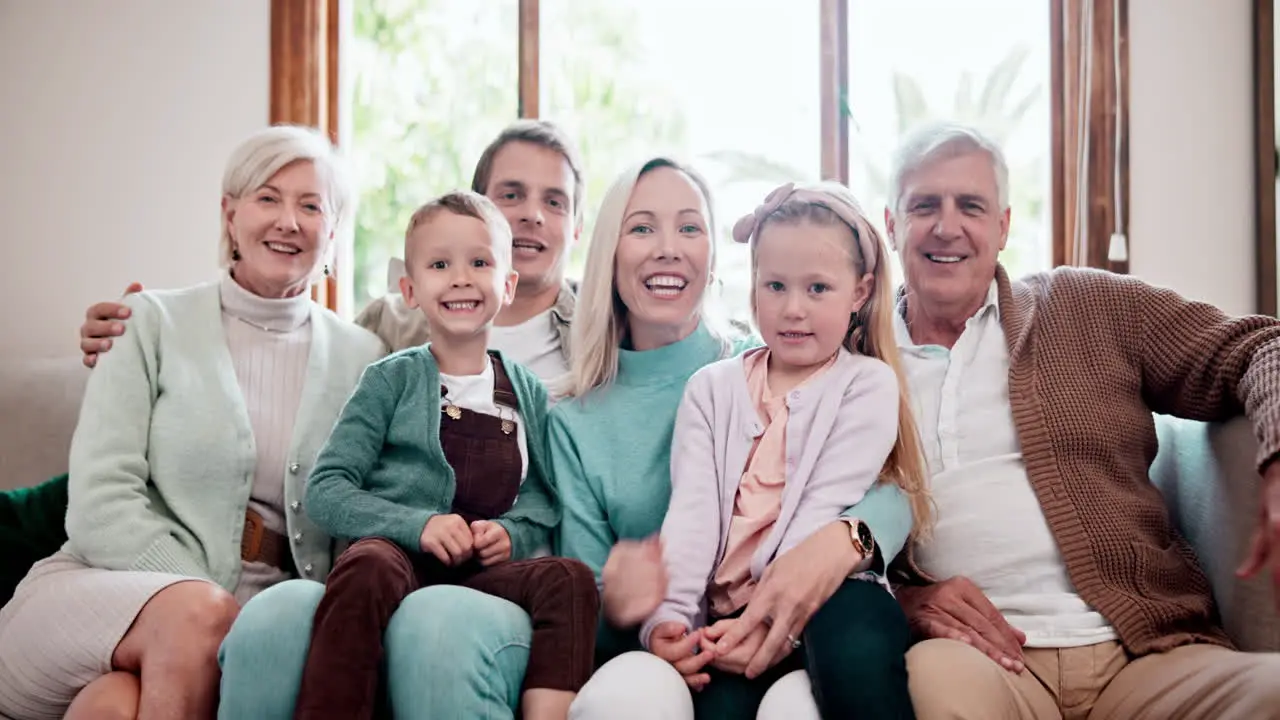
(845,208)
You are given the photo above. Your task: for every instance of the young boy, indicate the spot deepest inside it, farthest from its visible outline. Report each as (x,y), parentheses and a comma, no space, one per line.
(437,464)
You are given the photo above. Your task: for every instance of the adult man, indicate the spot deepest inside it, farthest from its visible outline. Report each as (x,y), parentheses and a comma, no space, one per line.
(533,173)
(1055,585)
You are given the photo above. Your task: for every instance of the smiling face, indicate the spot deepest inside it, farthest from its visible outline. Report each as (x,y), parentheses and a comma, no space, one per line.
(663,259)
(806,290)
(457,275)
(533,187)
(281,231)
(949,229)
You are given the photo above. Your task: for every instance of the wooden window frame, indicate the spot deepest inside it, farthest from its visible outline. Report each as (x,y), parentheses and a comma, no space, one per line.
(306,52)
(1095,142)
(305,49)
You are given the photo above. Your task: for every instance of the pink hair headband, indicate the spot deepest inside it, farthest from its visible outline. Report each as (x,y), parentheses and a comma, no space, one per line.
(846,209)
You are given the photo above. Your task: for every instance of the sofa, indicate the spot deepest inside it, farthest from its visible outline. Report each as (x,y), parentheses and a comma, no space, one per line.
(1204,470)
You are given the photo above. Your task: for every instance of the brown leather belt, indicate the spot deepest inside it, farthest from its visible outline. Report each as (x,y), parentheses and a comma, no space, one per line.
(260,544)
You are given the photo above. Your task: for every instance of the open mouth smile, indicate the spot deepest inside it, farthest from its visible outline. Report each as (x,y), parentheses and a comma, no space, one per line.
(665,285)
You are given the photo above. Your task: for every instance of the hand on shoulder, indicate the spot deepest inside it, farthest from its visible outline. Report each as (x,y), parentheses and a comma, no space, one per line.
(103,321)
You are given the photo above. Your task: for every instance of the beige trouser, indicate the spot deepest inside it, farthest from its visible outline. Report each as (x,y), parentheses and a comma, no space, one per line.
(950,679)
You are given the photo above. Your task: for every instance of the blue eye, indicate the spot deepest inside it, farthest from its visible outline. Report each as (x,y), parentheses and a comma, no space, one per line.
(479,263)
(775,286)
(641,230)
(819,288)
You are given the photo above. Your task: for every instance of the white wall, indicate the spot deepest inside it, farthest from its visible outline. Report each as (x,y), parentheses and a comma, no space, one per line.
(115,121)
(116,118)
(1191,156)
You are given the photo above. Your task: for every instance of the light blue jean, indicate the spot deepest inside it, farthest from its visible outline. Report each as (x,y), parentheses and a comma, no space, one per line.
(451,652)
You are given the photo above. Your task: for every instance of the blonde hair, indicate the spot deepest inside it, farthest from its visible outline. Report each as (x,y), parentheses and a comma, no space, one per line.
(256,160)
(464,203)
(871,332)
(600,321)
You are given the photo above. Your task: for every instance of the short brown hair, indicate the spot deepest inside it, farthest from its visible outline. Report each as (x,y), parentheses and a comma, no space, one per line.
(542,133)
(466,204)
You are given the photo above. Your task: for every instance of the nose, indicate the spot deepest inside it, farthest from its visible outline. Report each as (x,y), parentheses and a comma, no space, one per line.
(948,225)
(531,212)
(666,246)
(461,276)
(793,308)
(287,220)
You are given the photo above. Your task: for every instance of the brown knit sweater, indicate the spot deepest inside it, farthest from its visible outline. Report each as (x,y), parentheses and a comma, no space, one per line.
(1091,356)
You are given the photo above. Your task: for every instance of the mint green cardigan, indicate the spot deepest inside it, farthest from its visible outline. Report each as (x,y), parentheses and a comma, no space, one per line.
(383,473)
(162,459)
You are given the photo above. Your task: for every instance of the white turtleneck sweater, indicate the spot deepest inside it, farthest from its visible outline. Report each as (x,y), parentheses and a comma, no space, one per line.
(269,340)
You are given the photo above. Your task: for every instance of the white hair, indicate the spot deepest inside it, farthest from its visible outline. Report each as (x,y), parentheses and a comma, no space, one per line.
(256,160)
(600,320)
(943,141)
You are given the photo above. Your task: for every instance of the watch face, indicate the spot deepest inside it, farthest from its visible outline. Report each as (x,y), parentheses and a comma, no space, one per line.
(864,535)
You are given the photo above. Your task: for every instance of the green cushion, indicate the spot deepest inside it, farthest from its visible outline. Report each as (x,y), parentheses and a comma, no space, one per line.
(32,527)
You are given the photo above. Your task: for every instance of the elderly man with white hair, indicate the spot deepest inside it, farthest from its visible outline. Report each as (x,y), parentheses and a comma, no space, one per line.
(1055,585)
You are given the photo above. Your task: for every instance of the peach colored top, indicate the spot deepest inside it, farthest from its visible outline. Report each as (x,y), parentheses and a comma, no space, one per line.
(759,498)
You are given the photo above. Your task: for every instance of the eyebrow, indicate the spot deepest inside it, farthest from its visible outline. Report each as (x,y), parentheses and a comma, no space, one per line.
(650,213)
(961,197)
(276,190)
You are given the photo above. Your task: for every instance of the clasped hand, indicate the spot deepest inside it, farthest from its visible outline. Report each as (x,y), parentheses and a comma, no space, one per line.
(453,542)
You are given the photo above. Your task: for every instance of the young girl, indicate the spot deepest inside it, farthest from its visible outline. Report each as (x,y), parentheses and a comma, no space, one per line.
(776,444)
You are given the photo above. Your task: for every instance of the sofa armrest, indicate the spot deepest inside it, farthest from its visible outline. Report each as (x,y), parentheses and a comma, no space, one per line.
(1208,477)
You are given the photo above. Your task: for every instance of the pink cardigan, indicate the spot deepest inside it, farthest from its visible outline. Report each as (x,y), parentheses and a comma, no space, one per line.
(841,428)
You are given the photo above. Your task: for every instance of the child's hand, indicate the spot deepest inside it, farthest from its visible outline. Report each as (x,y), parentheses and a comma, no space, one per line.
(734,661)
(635,581)
(491,541)
(448,538)
(672,643)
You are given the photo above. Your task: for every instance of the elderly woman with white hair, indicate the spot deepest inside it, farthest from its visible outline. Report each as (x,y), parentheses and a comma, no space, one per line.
(187,466)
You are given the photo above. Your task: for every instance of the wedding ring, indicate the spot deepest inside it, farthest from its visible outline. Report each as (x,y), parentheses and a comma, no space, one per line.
(795,644)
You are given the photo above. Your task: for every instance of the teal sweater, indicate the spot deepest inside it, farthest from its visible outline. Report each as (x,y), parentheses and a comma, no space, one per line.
(611,460)
(383,473)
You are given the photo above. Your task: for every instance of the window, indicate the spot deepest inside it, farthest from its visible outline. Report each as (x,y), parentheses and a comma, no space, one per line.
(628,81)
(433,81)
(903,72)
(753,94)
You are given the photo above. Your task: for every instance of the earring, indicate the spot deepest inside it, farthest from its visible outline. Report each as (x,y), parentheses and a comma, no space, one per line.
(326,269)
(235,254)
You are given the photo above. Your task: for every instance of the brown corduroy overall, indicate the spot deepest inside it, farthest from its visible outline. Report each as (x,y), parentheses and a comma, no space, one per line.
(370,579)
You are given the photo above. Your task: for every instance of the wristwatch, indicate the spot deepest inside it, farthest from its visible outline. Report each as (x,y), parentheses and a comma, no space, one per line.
(860,536)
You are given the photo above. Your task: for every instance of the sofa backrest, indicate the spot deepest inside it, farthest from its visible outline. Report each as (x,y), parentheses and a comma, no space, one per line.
(39,406)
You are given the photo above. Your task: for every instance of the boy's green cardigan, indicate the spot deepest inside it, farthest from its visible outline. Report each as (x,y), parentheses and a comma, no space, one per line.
(383,473)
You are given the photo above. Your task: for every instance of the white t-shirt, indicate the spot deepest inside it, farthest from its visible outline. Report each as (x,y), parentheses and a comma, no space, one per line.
(991,528)
(533,343)
(475,393)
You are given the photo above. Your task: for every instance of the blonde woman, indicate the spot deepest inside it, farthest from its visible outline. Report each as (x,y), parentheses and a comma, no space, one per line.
(187,466)
(640,333)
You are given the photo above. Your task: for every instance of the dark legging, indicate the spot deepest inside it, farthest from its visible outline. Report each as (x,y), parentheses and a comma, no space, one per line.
(854,649)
